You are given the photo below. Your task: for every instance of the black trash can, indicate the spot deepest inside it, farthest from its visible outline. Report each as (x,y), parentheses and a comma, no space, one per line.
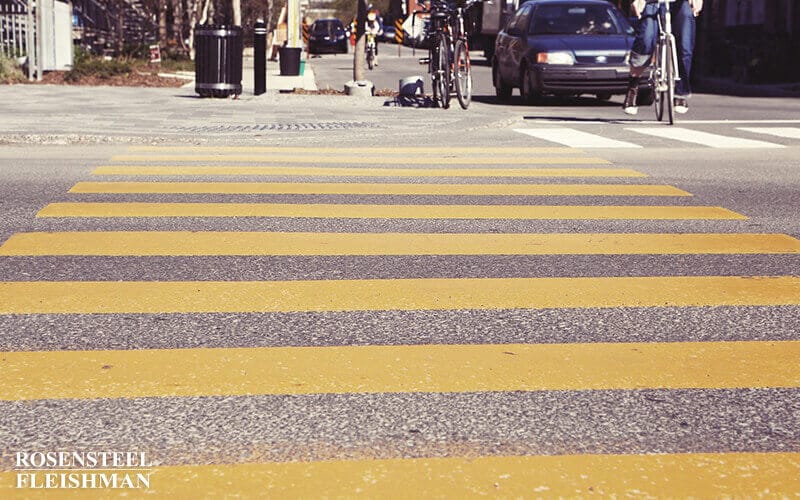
(218,60)
(290,60)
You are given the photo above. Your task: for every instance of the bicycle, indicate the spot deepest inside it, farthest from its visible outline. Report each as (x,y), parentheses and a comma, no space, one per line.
(448,55)
(665,70)
(439,57)
(371,49)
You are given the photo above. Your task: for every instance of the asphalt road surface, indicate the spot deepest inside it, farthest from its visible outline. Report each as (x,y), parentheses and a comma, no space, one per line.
(332,70)
(507,301)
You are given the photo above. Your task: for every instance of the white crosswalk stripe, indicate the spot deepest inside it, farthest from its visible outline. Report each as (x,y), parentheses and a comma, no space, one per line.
(575,138)
(703,138)
(787,132)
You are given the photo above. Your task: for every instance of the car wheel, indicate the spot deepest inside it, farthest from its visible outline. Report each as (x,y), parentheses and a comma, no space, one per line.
(603,97)
(502,91)
(527,91)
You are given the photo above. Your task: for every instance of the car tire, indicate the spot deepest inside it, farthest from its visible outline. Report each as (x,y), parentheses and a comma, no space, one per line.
(603,97)
(529,94)
(501,90)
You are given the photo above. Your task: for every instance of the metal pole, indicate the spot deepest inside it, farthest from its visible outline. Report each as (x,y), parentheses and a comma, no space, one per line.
(260,57)
(39,41)
(29,48)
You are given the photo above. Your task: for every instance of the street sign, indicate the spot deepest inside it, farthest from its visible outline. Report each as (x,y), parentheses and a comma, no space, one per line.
(155,54)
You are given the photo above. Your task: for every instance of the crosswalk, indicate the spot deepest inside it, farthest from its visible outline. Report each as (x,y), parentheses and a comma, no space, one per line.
(628,136)
(466,185)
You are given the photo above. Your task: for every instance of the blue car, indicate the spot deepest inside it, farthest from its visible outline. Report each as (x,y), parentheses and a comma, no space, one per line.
(327,35)
(561,47)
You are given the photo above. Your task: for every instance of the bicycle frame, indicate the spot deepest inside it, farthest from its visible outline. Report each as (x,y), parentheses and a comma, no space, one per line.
(665,64)
(665,35)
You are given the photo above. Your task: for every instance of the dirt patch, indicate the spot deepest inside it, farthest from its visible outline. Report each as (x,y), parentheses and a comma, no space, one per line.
(318,92)
(386,93)
(134,79)
(378,93)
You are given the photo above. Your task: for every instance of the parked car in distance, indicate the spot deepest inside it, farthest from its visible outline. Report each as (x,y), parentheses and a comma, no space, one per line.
(327,35)
(562,47)
(389,32)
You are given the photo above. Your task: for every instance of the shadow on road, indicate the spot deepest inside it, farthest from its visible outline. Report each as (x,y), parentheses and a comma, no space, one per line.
(411,102)
(549,101)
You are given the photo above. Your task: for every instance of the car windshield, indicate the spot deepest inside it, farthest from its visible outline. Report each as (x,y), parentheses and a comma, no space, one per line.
(569,19)
(327,28)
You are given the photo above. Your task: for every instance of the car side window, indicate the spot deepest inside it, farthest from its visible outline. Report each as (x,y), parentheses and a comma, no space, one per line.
(519,23)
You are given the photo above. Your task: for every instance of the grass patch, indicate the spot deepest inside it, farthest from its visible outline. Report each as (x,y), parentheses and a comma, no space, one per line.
(171,65)
(86,65)
(10,72)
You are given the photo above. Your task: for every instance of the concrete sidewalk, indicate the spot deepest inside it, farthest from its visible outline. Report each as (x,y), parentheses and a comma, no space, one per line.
(275,81)
(39,114)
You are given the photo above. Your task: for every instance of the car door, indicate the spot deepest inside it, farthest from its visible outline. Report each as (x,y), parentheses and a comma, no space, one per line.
(517,42)
(503,48)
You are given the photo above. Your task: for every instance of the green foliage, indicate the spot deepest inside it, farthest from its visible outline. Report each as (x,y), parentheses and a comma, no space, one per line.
(84,64)
(176,62)
(10,71)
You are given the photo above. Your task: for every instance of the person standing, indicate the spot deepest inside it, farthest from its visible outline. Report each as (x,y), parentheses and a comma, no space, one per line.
(683,23)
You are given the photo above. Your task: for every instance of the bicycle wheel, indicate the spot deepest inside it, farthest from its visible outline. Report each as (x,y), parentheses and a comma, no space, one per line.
(443,70)
(670,80)
(659,82)
(463,74)
(370,58)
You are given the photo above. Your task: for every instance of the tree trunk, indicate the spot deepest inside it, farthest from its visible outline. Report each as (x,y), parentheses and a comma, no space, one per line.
(236,6)
(359,72)
(120,27)
(177,23)
(162,24)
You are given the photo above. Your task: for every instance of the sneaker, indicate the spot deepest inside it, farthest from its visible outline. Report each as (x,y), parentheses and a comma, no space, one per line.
(681,105)
(629,105)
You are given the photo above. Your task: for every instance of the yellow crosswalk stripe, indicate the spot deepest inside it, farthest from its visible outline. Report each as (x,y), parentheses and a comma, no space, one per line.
(405,368)
(189,243)
(684,475)
(461,151)
(377,189)
(367,160)
(362,172)
(90,297)
(323,210)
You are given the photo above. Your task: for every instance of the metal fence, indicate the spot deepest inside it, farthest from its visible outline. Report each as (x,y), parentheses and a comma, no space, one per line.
(15,37)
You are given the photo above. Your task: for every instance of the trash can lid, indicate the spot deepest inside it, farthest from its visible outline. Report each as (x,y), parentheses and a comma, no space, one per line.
(218,30)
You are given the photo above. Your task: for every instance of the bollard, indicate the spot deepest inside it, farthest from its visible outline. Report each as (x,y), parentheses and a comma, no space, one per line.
(305,33)
(398,34)
(260,55)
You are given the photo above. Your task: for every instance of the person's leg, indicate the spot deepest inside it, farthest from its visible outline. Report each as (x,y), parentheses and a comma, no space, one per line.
(641,54)
(683,24)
